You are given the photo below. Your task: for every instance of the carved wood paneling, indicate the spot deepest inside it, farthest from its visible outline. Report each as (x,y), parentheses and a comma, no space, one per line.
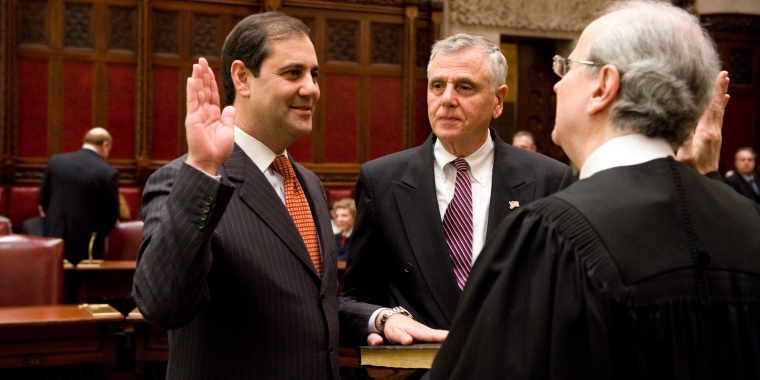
(165,32)
(311,24)
(123,29)
(741,65)
(549,15)
(423,41)
(387,43)
(206,39)
(342,40)
(77,21)
(32,25)
(731,23)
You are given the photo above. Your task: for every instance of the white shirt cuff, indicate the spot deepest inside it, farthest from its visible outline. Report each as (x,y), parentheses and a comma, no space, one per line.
(371,325)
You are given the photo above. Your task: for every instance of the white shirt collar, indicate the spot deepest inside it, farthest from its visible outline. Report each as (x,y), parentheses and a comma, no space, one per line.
(90,148)
(627,150)
(259,153)
(478,161)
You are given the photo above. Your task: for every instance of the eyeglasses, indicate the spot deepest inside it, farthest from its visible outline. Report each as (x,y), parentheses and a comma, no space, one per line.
(561,65)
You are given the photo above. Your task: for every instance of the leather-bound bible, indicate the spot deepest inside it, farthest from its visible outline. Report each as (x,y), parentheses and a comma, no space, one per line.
(419,356)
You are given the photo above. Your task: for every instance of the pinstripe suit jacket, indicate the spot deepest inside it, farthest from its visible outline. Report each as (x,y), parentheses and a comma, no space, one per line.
(223,266)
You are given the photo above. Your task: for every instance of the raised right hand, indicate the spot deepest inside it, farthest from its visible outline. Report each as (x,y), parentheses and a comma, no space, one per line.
(210,134)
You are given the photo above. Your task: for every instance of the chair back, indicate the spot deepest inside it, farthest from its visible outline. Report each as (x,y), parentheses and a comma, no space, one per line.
(124,241)
(22,204)
(4,228)
(31,270)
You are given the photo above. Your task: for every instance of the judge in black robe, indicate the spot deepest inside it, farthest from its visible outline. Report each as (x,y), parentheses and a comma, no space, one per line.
(644,268)
(603,281)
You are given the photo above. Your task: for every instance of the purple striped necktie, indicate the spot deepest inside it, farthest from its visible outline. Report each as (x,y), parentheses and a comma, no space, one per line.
(457,224)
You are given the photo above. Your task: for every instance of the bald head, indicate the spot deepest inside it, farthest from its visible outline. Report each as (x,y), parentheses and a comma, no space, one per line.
(100,139)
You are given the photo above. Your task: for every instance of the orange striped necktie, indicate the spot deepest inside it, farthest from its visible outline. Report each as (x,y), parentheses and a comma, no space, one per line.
(298,207)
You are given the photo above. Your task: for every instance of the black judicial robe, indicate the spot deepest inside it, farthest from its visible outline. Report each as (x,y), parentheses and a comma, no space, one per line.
(645,271)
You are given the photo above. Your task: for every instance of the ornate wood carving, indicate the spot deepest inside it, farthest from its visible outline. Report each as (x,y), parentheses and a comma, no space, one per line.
(424,41)
(731,23)
(387,43)
(740,65)
(166,32)
(564,16)
(207,29)
(341,37)
(311,24)
(78,25)
(122,28)
(32,15)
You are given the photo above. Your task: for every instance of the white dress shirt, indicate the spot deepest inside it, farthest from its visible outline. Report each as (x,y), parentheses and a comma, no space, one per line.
(626,150)
(262,157)
(480,171)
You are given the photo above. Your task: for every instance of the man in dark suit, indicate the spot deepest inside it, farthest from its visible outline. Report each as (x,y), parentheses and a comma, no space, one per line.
(238,259)
(744,179)
(644,268)
(401,250)
(80,196)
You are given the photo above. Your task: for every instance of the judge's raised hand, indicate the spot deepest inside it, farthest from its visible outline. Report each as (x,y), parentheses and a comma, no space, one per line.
(701,150)
(400,329)
(210,136)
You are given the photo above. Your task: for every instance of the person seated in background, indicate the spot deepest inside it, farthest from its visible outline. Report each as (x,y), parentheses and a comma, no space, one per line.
(744,180)
(34,226)
(345,214)
(524,140)
(335,228)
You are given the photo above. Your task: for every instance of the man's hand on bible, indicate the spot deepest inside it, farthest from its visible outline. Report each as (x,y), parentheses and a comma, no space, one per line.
(400,329)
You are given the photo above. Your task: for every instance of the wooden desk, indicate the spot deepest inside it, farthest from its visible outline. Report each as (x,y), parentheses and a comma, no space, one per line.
(151,346)
(110,280)
(45,336)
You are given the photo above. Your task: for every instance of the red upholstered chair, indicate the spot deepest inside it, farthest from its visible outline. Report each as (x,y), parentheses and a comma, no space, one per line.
(31,270)
(23,202)
(124,241)
(133,197)
(335,193)
(4,229)
(3,201)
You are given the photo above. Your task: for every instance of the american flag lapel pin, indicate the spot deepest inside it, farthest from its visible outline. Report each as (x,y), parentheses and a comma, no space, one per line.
(513,204)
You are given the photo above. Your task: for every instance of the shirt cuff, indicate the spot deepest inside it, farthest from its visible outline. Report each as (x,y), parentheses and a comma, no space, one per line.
(371,325)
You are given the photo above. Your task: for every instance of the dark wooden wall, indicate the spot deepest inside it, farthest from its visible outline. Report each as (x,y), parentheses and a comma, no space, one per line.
(71,65)
(738,39)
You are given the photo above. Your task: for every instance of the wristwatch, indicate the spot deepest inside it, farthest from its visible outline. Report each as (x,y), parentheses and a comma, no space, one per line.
(388,313)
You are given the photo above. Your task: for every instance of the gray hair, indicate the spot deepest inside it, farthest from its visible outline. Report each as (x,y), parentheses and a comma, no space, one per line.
(526,134)
(497,64)
(667,66)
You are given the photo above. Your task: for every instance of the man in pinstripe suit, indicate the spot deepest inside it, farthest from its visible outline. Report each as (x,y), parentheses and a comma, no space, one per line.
(223,265)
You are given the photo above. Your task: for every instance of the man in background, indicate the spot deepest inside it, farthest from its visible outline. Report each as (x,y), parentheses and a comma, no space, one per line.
(80,197)
(644,268)
(744,179)
(524,140)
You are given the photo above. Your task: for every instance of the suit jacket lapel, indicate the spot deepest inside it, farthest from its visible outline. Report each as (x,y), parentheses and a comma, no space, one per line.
(508,183)
(257,193)
(417,204)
